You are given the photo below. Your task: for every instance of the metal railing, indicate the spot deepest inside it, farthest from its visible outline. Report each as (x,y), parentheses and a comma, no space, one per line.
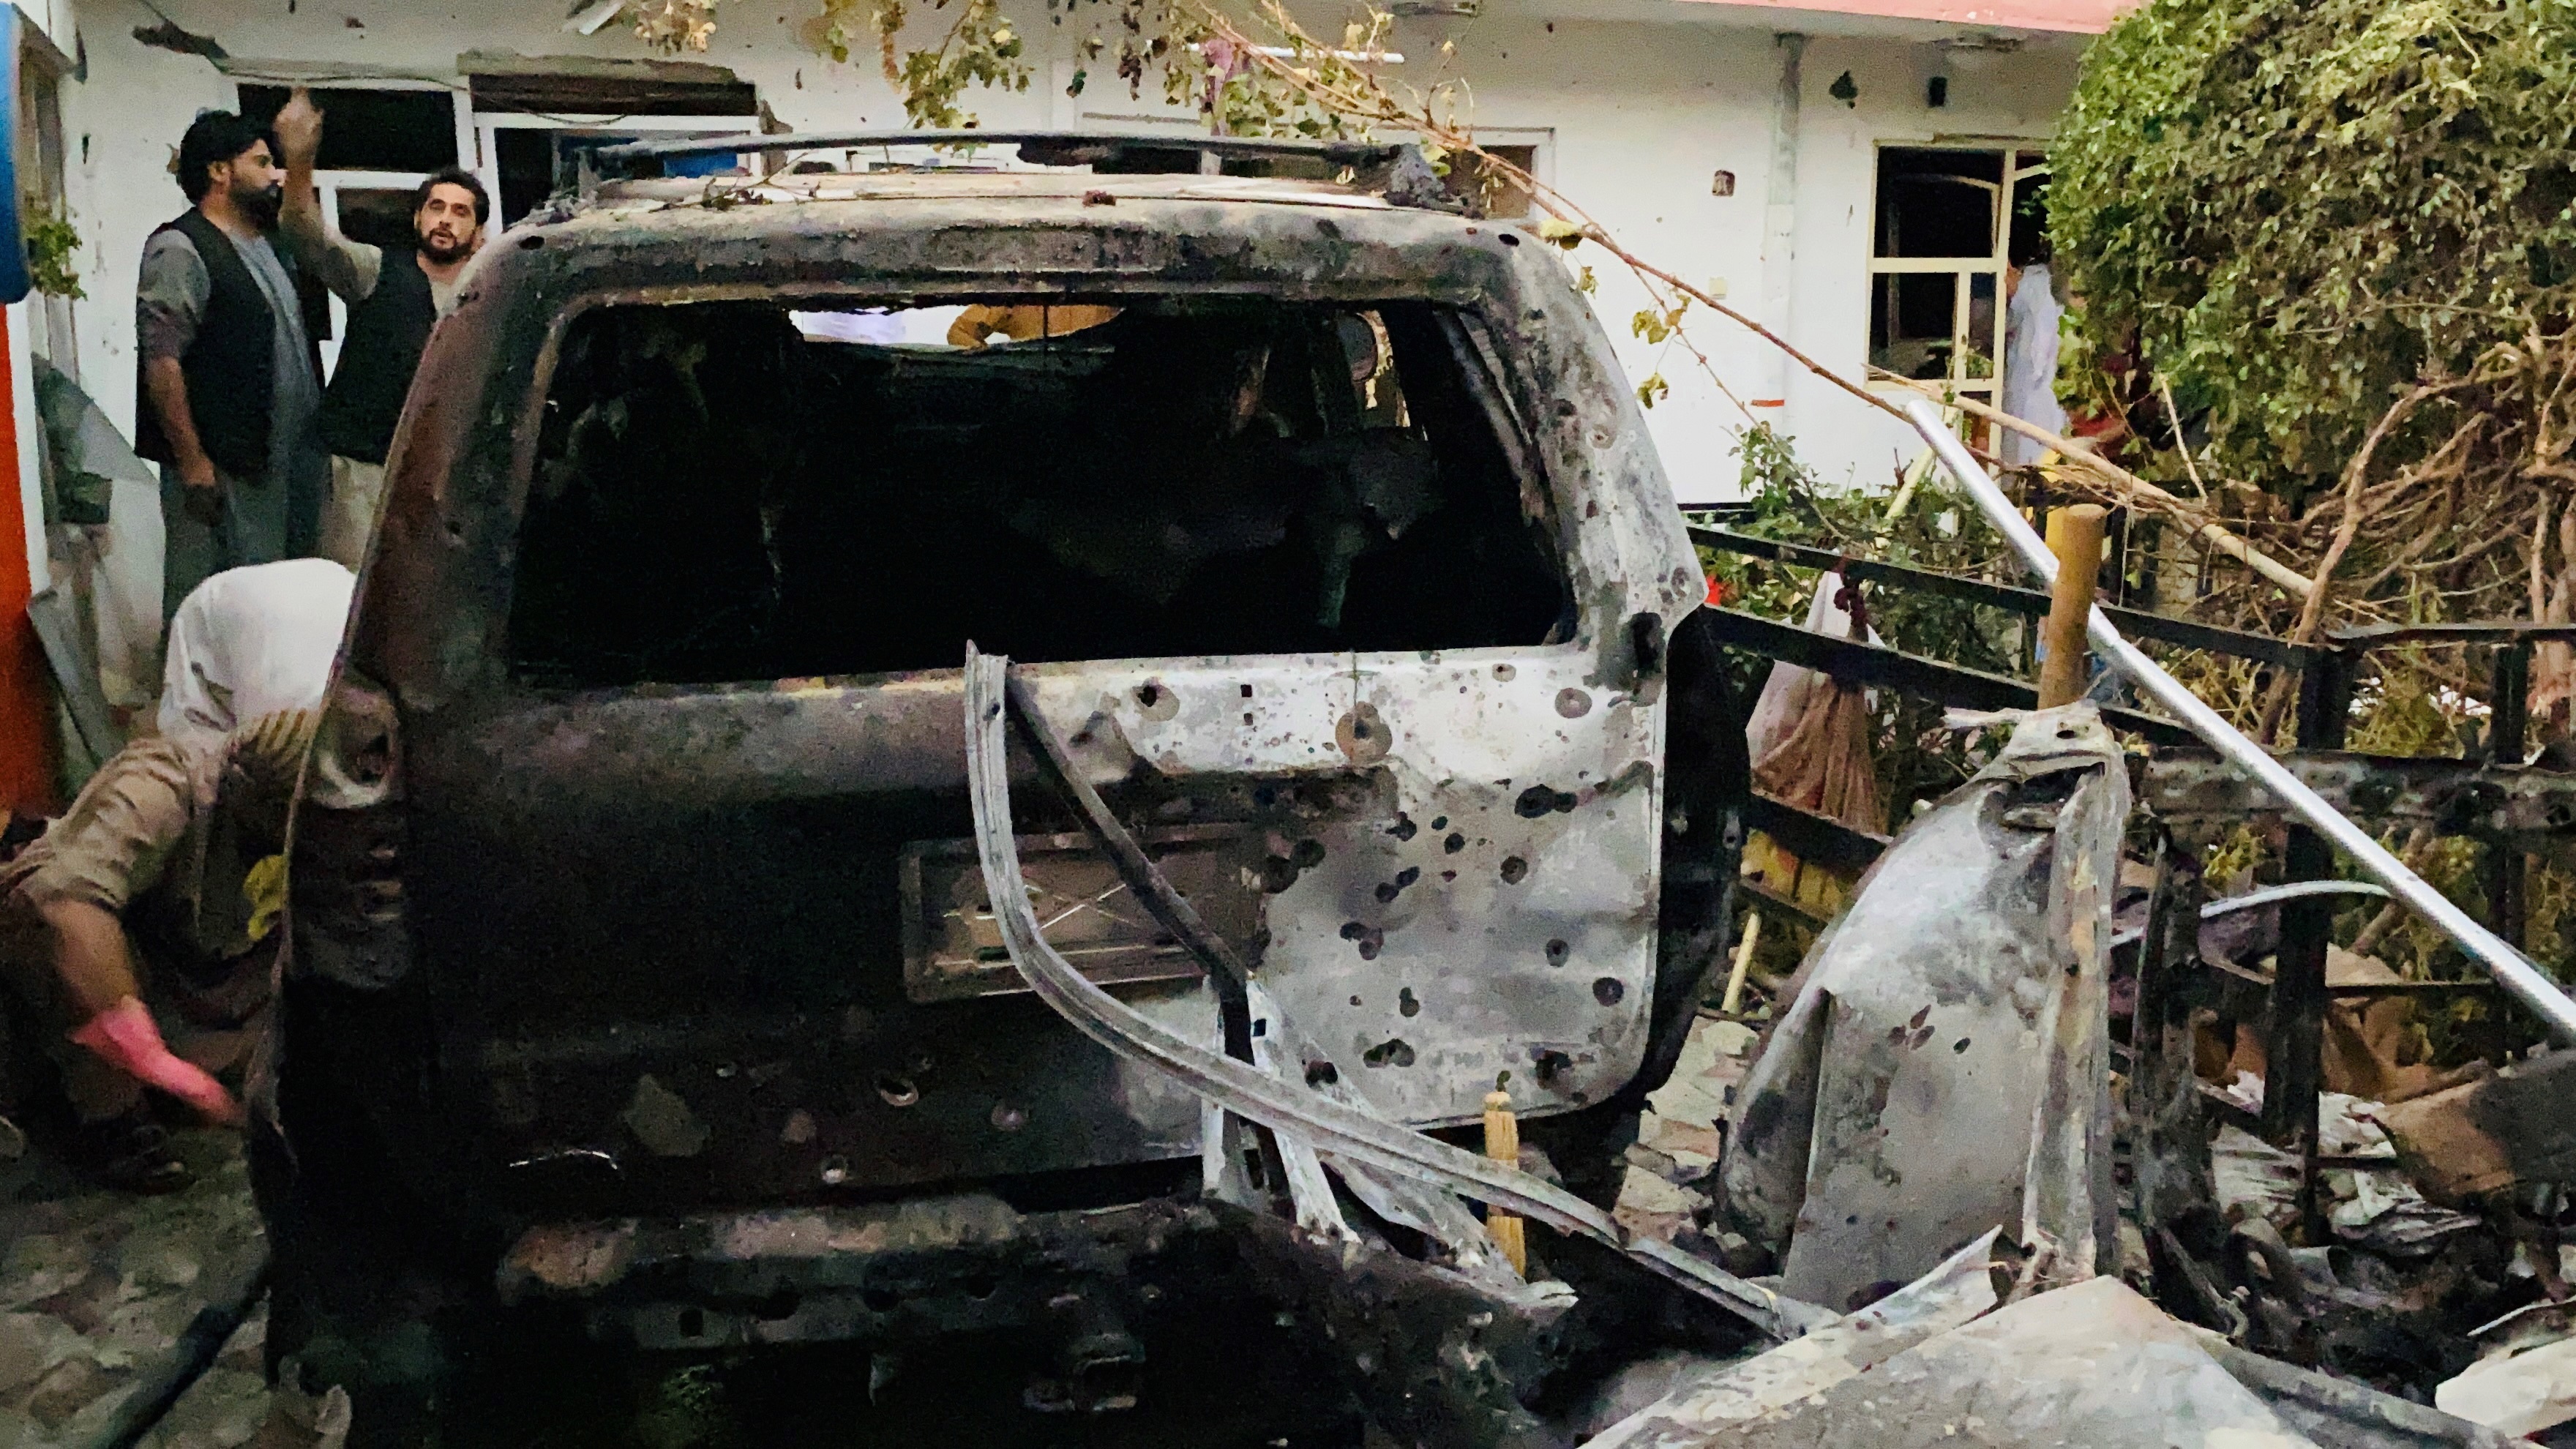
(2491,796)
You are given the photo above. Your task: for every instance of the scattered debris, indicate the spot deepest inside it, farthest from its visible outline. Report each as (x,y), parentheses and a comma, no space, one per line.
(2524,1386)
(1731,1395)
(1666,1185)
(2491,1134)
(2372,1206)
(102,1292)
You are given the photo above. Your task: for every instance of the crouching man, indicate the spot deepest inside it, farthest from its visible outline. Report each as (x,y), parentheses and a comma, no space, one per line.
(116,883)
(146,892)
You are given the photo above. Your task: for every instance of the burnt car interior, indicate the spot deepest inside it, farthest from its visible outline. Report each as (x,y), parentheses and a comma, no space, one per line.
(734,491)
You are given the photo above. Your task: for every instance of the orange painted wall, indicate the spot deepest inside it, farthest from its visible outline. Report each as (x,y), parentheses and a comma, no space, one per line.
(26,685)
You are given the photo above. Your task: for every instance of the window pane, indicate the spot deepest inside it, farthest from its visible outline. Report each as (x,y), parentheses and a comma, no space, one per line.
(1503,199)
(1913,317)
(737,491)
(380,218)
(369,130)
(1937,203)
(1979,336)
(2030,220)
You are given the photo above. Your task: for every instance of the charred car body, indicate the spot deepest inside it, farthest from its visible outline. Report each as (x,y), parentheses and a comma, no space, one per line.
(640,964)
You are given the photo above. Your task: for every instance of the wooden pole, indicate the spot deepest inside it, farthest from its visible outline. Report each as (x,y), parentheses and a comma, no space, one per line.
(1503,1144)
(1733,1001)
(2075,536)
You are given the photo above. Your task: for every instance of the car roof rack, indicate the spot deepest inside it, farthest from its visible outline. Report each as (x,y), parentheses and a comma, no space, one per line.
(1401,172)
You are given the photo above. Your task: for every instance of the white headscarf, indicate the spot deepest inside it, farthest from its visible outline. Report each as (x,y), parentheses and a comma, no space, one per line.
(250,642)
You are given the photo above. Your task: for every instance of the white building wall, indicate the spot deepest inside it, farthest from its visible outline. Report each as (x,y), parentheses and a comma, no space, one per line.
(1636,119)
(1643,117)
(1997,96)
(121,129)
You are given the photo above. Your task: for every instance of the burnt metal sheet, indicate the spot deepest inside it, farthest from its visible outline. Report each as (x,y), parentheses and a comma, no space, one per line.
(1476,823)
(1496,915)
(1346,1128)
(1440,1360)
(1942,1068)
(1708,1403)
(2094,1364)
(2341,1414)
(923,1266)
(953,951)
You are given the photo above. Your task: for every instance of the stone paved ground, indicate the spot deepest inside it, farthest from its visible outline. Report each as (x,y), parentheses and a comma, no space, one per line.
(1667,1185)
(95,1288)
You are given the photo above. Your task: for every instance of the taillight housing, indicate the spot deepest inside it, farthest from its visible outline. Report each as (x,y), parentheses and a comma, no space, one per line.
(347,881)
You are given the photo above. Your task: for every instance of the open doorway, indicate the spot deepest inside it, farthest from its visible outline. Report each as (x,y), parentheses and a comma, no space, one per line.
(1957,231)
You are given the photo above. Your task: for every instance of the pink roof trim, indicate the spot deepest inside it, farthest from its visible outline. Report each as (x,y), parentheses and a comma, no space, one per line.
(2086,17)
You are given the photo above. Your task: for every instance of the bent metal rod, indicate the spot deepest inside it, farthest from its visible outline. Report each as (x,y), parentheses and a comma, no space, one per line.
(2511,969)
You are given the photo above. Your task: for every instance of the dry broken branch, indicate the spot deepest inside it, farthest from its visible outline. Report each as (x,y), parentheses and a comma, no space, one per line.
(2126,487)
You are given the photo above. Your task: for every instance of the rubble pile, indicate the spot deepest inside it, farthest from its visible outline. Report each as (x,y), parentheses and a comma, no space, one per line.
(1665,1186)
(2406,1263)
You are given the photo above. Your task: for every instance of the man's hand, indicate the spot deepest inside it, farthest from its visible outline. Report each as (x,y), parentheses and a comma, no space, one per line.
(166,386)
(202,489)
(299,129)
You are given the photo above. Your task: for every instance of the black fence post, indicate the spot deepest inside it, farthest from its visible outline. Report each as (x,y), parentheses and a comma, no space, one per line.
(2508,719)
(2169,1136)
(2295,1050)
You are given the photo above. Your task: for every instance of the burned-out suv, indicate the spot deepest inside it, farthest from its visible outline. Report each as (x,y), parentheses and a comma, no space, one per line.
(641,965)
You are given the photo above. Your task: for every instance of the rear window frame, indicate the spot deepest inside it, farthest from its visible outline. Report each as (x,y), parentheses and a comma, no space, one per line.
(1473,307)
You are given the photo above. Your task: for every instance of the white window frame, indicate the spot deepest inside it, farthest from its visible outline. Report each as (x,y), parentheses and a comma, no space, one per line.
(43,167)
(284,73)
(1995,263)
(1542,143)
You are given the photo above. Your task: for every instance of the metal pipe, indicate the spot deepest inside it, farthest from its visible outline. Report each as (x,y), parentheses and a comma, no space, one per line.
(2529,985)
(2267,896)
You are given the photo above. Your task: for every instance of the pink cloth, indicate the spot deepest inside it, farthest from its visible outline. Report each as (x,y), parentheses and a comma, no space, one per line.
(125,1037)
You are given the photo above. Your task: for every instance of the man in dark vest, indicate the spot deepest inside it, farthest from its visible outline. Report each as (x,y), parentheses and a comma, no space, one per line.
(229,384)
(395,296)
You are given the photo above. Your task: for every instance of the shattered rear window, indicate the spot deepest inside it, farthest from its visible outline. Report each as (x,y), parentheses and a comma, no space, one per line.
(738,491)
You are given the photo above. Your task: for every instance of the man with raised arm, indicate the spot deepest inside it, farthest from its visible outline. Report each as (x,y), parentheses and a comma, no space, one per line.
(395,296)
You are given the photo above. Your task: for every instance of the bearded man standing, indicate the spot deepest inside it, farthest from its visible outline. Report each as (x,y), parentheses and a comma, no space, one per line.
(230,384)
(395,296)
